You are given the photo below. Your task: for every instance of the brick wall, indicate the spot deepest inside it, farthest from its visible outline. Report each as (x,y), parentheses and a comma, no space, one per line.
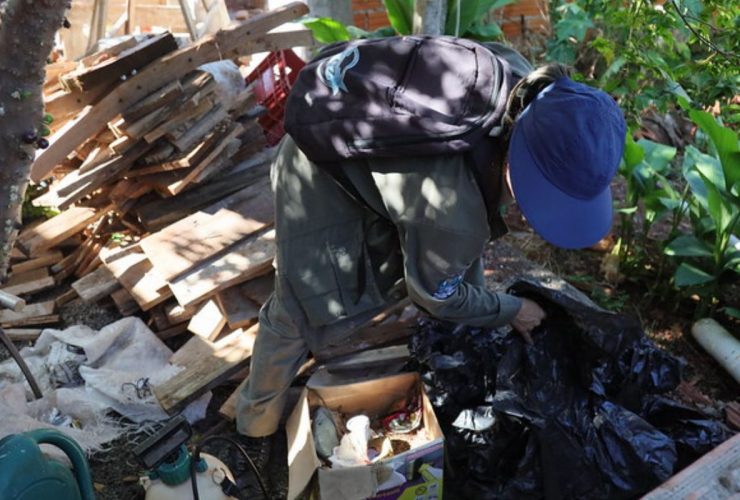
(369,14)
(523,16)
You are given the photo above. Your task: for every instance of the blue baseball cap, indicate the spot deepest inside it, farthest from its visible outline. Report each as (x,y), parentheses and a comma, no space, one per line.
(564,151)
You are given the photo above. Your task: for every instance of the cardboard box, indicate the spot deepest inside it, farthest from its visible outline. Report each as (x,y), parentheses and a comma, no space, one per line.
(412,475)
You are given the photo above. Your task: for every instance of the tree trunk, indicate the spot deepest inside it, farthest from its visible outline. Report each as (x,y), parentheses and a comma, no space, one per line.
(27,31)
(430,17)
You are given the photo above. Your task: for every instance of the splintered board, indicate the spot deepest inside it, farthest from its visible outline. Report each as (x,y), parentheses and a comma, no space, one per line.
(239,309)
(135,273)
(30,311)
(244,260)
(208,321)
(206,371)
(189,241)
(55,230)
(96,285)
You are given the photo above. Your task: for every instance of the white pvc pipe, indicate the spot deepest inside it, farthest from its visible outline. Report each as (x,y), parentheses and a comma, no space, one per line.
(720,344)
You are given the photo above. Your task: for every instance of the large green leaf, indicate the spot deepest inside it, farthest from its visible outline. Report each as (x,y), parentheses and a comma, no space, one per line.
(468,14)
(688,246)
(719,208)
(484,32)
(657,156)
(633,154)
(573,24)
(692,156)
(688,275)
(327,30)
(726,143)
(709,167)
(401,15)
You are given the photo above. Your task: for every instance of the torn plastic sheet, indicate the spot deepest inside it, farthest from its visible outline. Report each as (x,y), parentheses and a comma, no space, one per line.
(582,413)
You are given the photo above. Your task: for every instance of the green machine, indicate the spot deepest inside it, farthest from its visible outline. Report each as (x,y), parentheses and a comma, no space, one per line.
(26,474)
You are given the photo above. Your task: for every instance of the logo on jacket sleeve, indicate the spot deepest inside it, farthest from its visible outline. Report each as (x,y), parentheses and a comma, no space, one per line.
(448,287)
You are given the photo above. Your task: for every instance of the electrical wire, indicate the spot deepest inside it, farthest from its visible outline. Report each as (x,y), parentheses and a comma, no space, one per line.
(196,458)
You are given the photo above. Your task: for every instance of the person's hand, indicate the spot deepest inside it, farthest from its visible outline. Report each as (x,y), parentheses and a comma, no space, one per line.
(527,319)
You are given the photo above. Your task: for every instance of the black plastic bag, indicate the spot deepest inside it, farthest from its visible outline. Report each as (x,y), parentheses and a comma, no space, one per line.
(576,415)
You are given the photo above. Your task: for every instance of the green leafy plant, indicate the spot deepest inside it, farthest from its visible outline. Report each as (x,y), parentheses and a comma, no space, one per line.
(645,167)
(713,179)
(467,22)
(647,53)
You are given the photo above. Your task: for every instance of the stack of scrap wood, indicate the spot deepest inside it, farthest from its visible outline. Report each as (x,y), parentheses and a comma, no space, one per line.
(164,203)
(163,197)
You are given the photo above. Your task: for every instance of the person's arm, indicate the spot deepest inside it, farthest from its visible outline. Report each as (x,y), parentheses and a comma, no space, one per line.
(436,261)
(441,220)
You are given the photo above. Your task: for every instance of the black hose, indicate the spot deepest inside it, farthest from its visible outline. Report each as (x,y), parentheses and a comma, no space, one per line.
(196,458)
(10,346)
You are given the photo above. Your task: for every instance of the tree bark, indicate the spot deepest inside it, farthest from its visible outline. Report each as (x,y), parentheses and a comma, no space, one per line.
(27,29)
(430,17)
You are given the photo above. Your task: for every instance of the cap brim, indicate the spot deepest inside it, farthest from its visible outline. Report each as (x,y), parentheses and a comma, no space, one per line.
(560,219)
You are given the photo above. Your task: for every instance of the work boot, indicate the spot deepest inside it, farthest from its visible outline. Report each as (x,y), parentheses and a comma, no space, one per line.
(259,450)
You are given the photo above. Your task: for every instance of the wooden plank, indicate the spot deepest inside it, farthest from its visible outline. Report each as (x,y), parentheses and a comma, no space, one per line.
(38,320)
(23,334)
(8,317)
(219,149)
(232,354)
(96,285)
(26,276)
(208,321)
(182,245)
(195,348)
(30,287)
(259,289)
(66,297)
(220,164)
(703,478)
(200,128)
(242,39)
(175,313)
(101,55)
(124,302)
(188,111)
(131,60)
(135,273)
(76,185)
(173,331)
(159,213)
(11,302)
(16,255)
(55,230)
(155,100)
(239,309)
(97,156)
(123,144)
(244,260)
(43,260)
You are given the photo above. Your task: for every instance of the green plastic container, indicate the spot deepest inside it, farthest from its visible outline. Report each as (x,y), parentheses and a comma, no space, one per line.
(26,474)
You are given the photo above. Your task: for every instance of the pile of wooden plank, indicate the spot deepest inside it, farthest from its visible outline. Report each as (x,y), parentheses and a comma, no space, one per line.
(163,198)
(164,204)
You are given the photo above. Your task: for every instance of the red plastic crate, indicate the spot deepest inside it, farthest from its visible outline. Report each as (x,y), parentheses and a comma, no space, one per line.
(275,77)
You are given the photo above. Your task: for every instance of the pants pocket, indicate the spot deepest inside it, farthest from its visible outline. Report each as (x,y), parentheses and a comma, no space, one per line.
(331,275)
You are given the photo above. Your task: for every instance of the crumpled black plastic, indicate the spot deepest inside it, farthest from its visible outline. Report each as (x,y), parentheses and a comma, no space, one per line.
(582,413)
